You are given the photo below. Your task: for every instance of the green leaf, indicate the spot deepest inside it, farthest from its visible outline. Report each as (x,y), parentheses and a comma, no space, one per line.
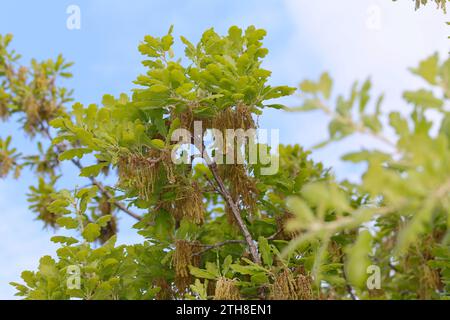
(57,123)
(158,88)
(410,233)
(109,262)
(264,249)
(103,220)
(91,232)
(302,212)
(364,95)
(309,86)
(108,100)
(201,273)
(72,153)
(325,85)
(250,269)
(93,171)
(428,69)
(65,240)
(158,143)
(423,98)
(226,264)
(399,123)
(259,278)
(67,222)
(358,260)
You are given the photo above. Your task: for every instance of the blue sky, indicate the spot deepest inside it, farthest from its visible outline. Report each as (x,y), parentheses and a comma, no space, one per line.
(351,39)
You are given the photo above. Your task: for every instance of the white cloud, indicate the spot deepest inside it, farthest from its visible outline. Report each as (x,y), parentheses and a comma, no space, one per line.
(339,32)
(354,39)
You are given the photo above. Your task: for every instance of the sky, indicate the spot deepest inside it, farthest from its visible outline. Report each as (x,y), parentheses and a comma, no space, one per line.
(351,39)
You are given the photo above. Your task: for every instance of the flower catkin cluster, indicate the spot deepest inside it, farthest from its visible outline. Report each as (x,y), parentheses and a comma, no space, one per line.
(185,254)
(6,164)
(288,287)
(226,289)
(282,221)
(243,188)
(189,204)
(4,102)
(141,172)
(239,117)
(165,290)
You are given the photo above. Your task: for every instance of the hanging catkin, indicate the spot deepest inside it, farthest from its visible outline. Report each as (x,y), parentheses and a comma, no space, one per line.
(288,287)
(141,172)
(226,290)
(189,205)
(184,256)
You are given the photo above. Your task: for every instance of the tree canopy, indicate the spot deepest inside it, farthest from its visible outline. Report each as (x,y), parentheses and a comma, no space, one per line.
(216,229)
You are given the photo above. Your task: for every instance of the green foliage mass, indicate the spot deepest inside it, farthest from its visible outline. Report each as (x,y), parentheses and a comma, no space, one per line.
(221,231)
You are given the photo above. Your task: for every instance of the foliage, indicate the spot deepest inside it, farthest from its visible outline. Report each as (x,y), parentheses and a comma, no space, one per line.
(406,185)
(215,230)
(441,4)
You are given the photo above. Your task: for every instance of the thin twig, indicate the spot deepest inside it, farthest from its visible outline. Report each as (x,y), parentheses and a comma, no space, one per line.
(275,234)
(97,183)
(217,245)
(108,194)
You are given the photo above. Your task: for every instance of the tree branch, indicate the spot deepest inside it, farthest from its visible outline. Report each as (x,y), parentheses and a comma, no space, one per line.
(234,209)
(94,181)
(217,245)
(108,194)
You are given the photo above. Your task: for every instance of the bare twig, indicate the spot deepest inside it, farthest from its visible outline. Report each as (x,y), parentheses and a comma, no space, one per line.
(275,234)
(208,247)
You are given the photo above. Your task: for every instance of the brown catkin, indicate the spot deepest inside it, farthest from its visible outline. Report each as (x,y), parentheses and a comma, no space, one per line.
(40,103)
(304,285)
(226,289)
(243,117)
(187,118)
(6,164)
(141,172)
(242,186)
(189,204)
(49,218)
(281,222)
(109,230)
(4,110)
(165,290)
(185,255)
(223,120)
(284,286)
(288,287)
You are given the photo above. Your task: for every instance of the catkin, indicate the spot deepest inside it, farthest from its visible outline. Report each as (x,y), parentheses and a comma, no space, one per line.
(226,290)
(165,290)
(141,172)
(189,205)
(242,187)
(185,254)
(6,163)
(288,287)
(281,221)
